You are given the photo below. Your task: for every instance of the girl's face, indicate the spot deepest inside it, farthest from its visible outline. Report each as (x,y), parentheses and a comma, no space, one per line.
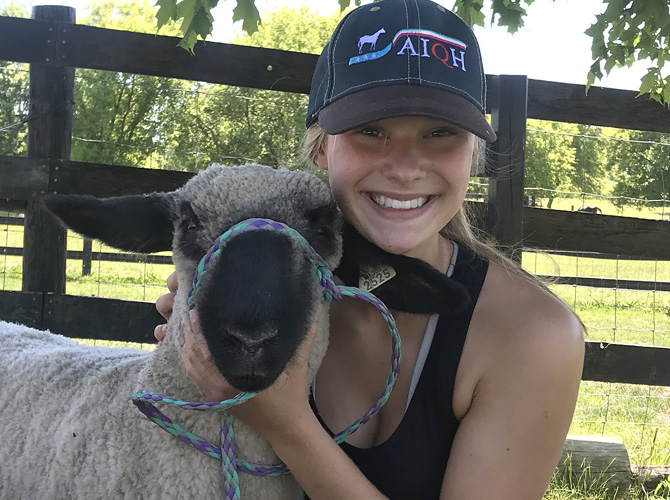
(400,180)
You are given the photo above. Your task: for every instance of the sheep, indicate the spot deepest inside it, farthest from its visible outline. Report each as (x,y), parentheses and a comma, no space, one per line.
(70,430)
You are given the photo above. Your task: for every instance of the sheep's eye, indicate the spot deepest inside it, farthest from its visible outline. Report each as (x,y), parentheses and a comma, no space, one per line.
(191,223)
(190,220)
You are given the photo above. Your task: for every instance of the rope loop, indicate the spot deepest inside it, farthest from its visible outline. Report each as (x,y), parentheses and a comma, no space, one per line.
(231,465)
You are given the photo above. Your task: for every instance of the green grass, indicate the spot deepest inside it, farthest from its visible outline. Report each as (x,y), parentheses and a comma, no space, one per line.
(639,416)
(646,210)
(587,485)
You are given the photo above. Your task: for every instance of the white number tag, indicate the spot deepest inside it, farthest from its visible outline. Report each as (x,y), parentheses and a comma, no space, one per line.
(372,277)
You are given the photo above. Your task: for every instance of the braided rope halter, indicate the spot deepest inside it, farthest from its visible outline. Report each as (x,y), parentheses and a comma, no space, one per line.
(226,453)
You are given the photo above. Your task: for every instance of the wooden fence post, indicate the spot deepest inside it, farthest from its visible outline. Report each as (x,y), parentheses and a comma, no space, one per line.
(87,257)
(509,103)
(49,136)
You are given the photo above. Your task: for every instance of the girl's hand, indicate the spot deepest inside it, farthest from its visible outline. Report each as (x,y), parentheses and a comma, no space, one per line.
(273,410)
(281,408)
(200,365)
(164,305)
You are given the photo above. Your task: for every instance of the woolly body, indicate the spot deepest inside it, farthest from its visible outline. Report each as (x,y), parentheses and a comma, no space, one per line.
(70,429)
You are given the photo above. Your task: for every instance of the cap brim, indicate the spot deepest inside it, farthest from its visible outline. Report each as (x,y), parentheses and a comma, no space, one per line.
(390,101)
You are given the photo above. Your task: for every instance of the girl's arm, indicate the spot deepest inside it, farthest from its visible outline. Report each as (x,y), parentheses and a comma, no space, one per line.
(517,412)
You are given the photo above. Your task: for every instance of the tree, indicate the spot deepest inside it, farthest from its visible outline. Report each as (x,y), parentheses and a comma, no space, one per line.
(630,31)
(627,31)
(145,121)
(550,158)
(115,116)
(641,166)
(13,98)
(179,125)
(233,125)
(590,173)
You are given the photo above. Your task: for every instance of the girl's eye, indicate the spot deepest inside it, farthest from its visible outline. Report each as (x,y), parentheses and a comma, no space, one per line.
(369,132)
(442,132)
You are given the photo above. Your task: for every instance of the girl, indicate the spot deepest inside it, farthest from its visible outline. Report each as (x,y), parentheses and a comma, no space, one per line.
(396,118)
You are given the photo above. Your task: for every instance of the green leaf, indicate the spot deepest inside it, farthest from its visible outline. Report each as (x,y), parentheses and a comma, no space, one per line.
(666,93)
(510,13)
(478,18)
(247,12)
(648,82)
(590,79)
(202,23)
(189,41)
(344,4)
(167,10)
(595,70)
(186,11)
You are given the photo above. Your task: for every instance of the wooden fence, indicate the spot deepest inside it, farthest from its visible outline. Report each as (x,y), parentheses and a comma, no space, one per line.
(54,47)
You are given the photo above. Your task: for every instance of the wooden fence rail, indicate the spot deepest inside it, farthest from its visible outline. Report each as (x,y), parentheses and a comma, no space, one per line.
(55,46)
(29,179)
(32,41)
(89,317)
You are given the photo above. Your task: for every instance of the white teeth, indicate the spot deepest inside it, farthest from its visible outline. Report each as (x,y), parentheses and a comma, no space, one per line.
(386,202)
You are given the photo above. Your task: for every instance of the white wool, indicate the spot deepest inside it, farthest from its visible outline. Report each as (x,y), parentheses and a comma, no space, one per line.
(69,428)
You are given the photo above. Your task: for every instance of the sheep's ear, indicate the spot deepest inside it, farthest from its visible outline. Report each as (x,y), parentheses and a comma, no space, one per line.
(133,223)
(325,222)
(417,287)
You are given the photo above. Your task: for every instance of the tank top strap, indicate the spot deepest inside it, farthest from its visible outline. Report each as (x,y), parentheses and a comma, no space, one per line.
(452,329)
(411,463)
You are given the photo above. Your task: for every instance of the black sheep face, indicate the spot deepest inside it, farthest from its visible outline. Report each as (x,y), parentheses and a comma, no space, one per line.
(256,303)
(259,298)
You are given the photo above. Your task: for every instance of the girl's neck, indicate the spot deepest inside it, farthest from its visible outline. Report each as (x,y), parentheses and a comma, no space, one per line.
(439,256)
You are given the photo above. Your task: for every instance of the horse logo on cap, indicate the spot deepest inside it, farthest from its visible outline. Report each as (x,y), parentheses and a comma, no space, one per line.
(371,39)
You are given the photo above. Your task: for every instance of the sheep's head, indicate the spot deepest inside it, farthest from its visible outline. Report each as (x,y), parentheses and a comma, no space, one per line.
(258,299)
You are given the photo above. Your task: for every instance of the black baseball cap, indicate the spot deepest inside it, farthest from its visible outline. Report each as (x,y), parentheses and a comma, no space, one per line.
(396,58)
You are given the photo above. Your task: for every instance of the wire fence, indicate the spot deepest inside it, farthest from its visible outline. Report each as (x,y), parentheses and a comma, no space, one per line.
(160,123)
(13,108)
(622,173)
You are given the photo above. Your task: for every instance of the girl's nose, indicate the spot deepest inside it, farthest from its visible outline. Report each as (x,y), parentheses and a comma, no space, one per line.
(403,161)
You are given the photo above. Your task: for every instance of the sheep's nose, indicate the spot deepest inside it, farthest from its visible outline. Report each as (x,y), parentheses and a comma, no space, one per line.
(252,340)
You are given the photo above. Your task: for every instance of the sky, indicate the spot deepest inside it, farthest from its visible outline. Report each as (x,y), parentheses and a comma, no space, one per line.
(551,46)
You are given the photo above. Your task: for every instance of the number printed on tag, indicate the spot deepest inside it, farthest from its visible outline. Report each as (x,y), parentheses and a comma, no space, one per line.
(372,277)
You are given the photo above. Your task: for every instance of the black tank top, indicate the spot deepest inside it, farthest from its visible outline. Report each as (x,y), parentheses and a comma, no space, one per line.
(410,464)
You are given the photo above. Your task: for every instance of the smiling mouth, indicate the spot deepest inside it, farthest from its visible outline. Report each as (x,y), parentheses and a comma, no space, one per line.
(386,202)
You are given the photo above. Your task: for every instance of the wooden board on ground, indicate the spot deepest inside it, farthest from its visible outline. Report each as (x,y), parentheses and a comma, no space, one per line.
(596,460)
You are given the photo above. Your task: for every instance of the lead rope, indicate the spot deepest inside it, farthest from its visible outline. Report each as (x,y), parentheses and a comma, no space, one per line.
(144,400)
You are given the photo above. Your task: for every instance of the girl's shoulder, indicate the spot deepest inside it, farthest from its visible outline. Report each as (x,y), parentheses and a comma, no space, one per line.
(523,309)
(519,331)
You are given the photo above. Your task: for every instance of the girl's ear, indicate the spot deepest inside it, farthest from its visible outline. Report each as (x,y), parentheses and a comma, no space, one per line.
(321,160)
(132,223)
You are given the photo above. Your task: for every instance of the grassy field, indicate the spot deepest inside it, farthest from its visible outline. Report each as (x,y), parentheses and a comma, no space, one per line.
(640,210)
(637,415)
(589,486)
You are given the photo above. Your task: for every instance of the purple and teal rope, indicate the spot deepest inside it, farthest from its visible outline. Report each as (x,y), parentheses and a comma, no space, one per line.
(144,400)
